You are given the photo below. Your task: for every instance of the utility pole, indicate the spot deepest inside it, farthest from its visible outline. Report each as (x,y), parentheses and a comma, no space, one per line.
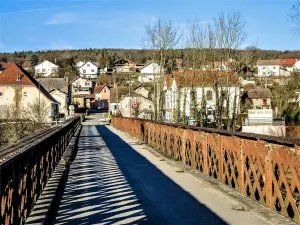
(129,94)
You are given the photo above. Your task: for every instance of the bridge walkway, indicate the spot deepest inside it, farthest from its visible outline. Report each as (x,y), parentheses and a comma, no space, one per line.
(115,179)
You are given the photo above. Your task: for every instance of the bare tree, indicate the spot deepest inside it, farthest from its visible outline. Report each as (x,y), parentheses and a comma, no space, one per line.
(38,110)
(295,16)
(161,37)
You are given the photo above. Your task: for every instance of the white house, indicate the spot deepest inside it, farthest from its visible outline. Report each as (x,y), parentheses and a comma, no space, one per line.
(46,69)
(88,69)
(82,87)
(150,72)
(276,67)
(178,89)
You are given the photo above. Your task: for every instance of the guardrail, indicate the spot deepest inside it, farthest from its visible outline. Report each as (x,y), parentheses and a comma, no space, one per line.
(26,167)
(263,168)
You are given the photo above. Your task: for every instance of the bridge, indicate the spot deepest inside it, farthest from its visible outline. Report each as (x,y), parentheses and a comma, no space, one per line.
(143,172)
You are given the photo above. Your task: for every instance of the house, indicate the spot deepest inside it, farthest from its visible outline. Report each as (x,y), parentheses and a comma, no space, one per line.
(18,89)
(88,69)
(150,72)
(60,90)
(101,97)
(26,65)
(124,65)
(258,98)
(46,69)
(82,89)
(136,106)
(276,67)
(220,66)
(184,89)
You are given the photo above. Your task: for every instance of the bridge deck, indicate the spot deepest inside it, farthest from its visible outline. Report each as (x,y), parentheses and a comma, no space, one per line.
(116,180)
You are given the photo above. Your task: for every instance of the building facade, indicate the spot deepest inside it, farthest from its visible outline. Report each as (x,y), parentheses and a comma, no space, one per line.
(46,69)
(22,92)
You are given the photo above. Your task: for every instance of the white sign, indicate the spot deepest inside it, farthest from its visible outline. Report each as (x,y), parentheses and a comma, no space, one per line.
(260,116)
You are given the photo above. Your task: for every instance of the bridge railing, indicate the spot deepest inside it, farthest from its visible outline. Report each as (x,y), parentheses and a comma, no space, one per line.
(26,167)
(263,168)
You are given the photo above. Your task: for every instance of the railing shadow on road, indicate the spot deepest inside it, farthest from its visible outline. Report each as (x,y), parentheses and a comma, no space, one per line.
(96,190)
(110,183)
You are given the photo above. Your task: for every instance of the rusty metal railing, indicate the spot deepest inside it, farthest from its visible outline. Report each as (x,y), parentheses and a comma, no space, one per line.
(263,168)
(26,167)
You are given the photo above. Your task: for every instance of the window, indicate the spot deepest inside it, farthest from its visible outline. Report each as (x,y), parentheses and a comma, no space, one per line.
(92,70)
(150,106)
(1,94)
(101,104)
(99,98)
(264,67)
(274,68)
(209,95)
(87,83)
(38,70)
(25,94)
(84,71)
(265,102)
(19,78)
(209,112)
(43,70)
(88,65)
(264,73)
(104,90)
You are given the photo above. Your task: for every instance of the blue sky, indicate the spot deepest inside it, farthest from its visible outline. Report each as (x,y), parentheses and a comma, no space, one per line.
(65,24)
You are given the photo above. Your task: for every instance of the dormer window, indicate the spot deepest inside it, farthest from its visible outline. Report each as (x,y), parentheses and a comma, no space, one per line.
(88,65)
(19,78)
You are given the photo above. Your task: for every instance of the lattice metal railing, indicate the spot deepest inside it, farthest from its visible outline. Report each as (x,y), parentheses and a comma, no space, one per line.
(263,168)
(26,167)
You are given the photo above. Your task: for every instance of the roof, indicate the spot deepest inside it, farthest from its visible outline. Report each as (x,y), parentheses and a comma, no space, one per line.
(121,60)
(54,83)
(287,62)
(26,64)
(48,62)
(98,88)
(269,62)
(207,78)
(4,65)
(90,96)
(13,72)
(81,64)
(259,93)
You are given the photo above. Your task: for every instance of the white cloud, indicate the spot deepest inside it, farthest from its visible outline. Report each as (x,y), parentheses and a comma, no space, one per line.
(64,18)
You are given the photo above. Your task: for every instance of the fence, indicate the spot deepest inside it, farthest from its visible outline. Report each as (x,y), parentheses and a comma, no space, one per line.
(26,167)
(263,168)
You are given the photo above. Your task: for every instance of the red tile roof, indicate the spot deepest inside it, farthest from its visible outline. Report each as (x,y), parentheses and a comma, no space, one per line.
(207,78)
(5,65)
(11,75)
(287,62)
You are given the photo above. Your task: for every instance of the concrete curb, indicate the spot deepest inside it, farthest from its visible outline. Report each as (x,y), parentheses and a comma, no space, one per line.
(46,207)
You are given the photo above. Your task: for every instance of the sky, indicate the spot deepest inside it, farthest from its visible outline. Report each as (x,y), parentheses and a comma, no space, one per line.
(76,24)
